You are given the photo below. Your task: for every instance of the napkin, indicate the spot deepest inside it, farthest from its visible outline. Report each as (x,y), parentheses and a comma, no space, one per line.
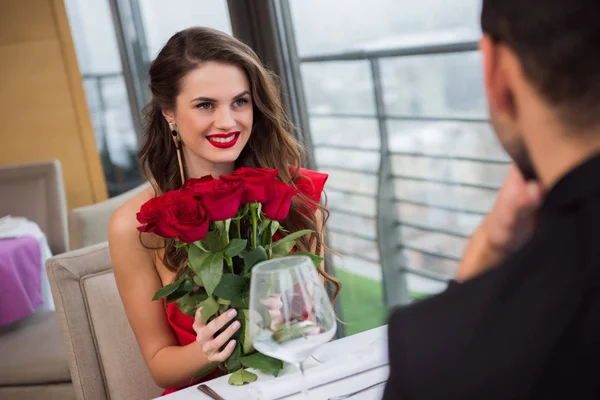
(333,370)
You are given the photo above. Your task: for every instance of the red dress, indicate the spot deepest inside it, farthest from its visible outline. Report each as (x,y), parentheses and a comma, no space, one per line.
(311,184)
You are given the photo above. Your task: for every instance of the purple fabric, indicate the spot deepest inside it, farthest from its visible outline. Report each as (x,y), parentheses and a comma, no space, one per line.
(20,278)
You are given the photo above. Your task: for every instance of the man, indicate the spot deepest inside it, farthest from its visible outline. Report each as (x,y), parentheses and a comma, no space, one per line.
(523,324)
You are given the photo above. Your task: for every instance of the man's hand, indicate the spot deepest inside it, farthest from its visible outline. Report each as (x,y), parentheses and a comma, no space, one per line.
(506,228)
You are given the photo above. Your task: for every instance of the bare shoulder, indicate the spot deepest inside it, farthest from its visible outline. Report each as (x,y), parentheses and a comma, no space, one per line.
(123,235)
(124,219)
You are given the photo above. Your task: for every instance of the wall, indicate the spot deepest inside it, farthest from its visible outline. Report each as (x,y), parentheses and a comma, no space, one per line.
(43,110)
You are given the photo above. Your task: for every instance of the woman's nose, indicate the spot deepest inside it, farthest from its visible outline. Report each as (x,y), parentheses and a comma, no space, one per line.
(224,120)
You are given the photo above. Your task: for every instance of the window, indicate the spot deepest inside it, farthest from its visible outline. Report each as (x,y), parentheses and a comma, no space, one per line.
(99,62)
(116,96)
(394,96)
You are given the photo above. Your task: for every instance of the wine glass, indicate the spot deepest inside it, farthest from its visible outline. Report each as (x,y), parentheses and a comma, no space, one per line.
(290,312)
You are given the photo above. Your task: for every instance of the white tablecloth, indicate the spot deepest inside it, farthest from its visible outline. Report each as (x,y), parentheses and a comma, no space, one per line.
(15,227)
(338,352)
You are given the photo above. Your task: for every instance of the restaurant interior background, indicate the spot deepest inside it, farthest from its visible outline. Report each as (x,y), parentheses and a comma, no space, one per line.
(387,95)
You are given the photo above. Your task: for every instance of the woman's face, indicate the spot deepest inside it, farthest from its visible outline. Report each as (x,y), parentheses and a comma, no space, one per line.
(214,115)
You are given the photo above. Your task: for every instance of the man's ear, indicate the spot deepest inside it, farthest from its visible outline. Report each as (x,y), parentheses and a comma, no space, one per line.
(497,60)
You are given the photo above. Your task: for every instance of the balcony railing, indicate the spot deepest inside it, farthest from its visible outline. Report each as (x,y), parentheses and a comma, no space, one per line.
(401,244)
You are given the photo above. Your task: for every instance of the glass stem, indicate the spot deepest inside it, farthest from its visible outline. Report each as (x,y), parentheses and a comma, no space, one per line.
(303,382)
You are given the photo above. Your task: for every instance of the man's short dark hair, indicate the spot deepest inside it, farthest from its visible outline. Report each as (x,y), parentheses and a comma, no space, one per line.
(558,44)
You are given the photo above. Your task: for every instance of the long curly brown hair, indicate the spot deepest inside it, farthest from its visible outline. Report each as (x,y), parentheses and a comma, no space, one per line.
(274,147)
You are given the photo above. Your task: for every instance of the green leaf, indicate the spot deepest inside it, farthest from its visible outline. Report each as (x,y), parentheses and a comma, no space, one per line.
(283,246)
(287,332)
(241,377)
(263,225)
(167,290)
(212,271)
(313,257)
(209,308)
(245,339)
(220,226)
(229,286)
(283,249)
(176,295)
(187,286)
(211,242)
(254,257)
(189,303)
(223,301)
(235,247)
(274,227)
(262,362)
(233,362)
(198,280)
(196,256)
(241,300)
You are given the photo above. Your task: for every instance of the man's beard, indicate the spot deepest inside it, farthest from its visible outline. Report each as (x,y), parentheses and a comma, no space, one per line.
(515,147)
(523,162)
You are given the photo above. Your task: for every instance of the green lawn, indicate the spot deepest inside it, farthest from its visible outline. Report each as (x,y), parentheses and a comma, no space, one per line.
(361,299)
(362,302)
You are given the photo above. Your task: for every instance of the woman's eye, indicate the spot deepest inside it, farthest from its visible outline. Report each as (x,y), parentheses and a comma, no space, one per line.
(204,106)
(240,102)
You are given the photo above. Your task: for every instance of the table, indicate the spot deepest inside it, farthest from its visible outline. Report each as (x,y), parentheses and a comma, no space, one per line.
(20,278)
(335,351)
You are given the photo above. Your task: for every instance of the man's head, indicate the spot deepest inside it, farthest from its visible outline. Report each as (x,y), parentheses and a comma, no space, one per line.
(542,66)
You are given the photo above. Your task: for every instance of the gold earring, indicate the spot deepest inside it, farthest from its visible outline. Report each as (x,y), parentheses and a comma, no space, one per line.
(177,142)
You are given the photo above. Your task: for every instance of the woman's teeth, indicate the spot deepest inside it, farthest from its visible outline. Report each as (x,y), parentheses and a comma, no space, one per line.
(222,140)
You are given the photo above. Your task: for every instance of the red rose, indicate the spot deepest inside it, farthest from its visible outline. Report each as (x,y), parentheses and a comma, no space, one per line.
(221,199)
(191,184)
(175,214)
(152,214)
(258,183)
(278,205)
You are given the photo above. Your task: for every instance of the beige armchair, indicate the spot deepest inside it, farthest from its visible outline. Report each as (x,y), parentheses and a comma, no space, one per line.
(89,225)
(33,358)
(36,191)
(104,358)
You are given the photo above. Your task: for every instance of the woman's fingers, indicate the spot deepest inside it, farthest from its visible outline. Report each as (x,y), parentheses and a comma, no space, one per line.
(205,333)
(223,355)
(212,347)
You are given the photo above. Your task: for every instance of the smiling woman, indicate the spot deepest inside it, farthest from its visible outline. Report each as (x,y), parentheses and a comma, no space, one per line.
(214,109)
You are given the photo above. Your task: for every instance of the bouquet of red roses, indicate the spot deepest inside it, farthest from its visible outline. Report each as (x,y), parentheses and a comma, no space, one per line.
(226,226)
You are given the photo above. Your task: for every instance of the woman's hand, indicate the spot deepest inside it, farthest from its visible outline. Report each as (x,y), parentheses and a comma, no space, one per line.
(508,226)
(211,345)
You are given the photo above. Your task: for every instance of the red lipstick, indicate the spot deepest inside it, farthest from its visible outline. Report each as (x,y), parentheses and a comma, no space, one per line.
(224,140)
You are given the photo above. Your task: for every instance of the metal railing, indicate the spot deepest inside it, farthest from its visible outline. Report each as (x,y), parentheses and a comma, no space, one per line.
(389,223)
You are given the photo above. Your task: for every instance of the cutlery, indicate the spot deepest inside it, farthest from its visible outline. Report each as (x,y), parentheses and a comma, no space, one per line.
(209,392)
(348,395)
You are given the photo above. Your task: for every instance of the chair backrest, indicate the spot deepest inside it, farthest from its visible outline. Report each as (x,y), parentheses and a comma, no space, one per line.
(89,225)
(36,191)
(105,361)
